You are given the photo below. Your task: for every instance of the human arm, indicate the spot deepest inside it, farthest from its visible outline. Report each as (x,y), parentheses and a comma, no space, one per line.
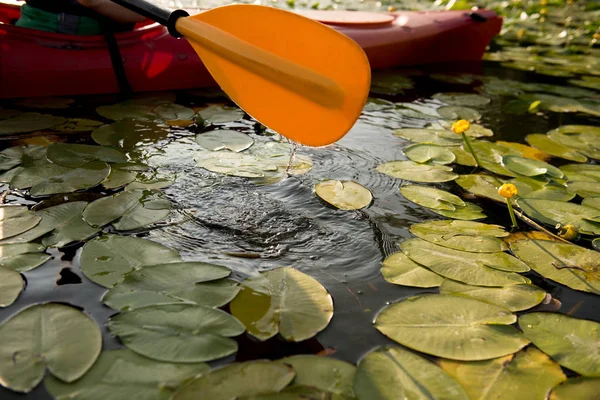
(112,11)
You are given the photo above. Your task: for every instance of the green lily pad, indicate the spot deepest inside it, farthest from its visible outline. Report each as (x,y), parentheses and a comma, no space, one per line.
(152,183)
(130,133)
(130,209)
(118,178)
(585,189)
(571,342)
(11,285)
(480,269)
(333,376)
(596,244)
(178,282)
(235,381)
(297,392)
(14,220)
(25,262)
(76,155)
(106,259)
(528,167)
(430,197)
(53,336)
(538,188)
(593,202)
(28,122)
(481,185)
(586,219)
(181,333)
(127,109)
(440,137)
(577,388)
(285,301)
(462,235)
(462,99)
(424,153)
(390,373)
(224,139)
(345,195)
(10,250)
(401,270)
(417,110)
(565,263)
(443,325)
(77,125)
(45,102)
(514,297)
(123,375)
(545,143)
(173,112)
(491,154)
(470,212)
(10,157)
(582,172)
(388,82)
(463,157)
(412,171)
(457,112)
(580,137)
(528,374)
(220,114)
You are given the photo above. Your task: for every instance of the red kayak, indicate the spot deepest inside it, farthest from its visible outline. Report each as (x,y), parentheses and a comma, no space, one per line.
(37,63)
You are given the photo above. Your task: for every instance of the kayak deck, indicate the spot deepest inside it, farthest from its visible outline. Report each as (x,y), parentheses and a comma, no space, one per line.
(35,63)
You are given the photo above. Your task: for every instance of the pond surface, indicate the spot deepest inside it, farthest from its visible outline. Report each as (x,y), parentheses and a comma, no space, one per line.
(252,226)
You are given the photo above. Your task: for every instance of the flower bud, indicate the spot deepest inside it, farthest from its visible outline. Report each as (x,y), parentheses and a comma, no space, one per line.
(460,126)
(508,191)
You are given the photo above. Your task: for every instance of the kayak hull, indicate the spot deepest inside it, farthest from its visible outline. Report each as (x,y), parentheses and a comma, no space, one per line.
(35,63)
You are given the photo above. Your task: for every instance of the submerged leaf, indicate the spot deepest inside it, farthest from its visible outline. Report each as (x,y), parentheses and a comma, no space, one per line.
(345,195)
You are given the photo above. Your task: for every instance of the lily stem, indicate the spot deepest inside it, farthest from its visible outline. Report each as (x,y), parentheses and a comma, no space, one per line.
(512,214)
(468,143)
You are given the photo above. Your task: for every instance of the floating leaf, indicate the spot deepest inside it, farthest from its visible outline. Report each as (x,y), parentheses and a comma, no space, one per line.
(182,333)
(118,178)
(545,143)
(11,285)
(345,195)
(401,270)
(106,259)
(525,151)
(127,109)
(390,373)
(14,220)
(580,137)
(554,212)
(285,301)
(424,153)
(514,297)
(440,137)
(151,183)
(582,172)
(463,157)
(480,269)
(462,235)
(462,99)
(571,342)
(585,189)
(178,282)
(456,112)
(76,155)
(327,374)
(77,125)
(564,263)
(224,139)
(45,102)
(577,388)
(536,188)
(412,171)
(490,156)
(123,375)
(431,197)
(528,167)
(481,185)
(53,336)
(234,381)
(220,114)
(451,327)
(529,374)
(28,122)
(469,212)
(130,133)
(388,82)
(10,250)
(173,112)
(25,262)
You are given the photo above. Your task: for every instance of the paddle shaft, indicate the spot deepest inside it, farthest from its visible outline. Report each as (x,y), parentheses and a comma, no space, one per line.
(275,68)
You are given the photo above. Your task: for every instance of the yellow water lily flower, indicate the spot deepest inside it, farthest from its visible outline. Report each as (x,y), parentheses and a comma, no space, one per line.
(568,232)
(460,126)
(508,191)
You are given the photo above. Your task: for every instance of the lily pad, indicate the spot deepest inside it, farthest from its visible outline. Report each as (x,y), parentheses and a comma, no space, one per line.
(224,139)
(481,185)
(54,336)
(123,375)
(106,259)
(539,188)
(480,269)
(565,263)
(545,143)
(345,195)
(46,102)
(462,99)
(401,270)
(77,125)
(173,112)
(28,122)
(514,297)
(580,137)
(463,157)
(582,172)
(14,220)
(462,235)
(528,374)
(470,212)
(178,282)
(585,219)
(76,155)
(237,380)
(130,133)
(25,262)
(181,333)
(425,153)
(457,112)
(10,250)
(390,373)
(11,285)
(220,114)
(452,327)
(528,152)
(285,301)
(412,171)
(430,197)
(127,109)
(585,189)
(118,178)
(491,154)
(577,388)
(440,137)
(529,167)
(572,342)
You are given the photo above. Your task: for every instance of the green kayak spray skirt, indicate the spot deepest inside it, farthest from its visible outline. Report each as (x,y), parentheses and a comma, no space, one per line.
(35,18)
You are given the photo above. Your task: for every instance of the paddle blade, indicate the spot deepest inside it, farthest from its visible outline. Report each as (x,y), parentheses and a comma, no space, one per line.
(316,113)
